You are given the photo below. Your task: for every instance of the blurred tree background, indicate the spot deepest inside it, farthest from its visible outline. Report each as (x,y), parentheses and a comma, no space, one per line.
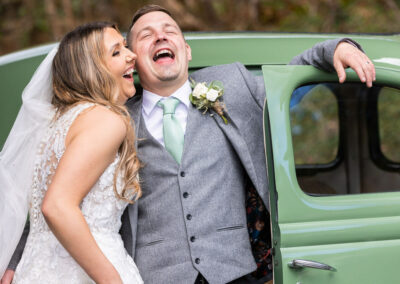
(25,23)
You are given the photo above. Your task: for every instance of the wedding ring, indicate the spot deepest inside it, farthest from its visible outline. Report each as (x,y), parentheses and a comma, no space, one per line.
(367,62)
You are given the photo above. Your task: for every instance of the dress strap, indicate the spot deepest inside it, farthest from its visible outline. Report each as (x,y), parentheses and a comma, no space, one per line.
(71,114)
(60,128)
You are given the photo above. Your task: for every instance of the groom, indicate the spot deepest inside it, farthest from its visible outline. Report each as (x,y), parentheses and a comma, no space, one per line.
(190,224)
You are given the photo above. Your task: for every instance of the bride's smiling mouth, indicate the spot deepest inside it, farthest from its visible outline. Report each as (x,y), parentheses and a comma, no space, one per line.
(129,74)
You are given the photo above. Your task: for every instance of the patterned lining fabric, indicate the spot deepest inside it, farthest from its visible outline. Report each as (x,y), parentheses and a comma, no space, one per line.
(258,225)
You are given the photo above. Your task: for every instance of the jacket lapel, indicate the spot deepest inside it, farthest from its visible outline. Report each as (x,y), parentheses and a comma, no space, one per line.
(192,124)
(197,119)
(134,106)
(235,137)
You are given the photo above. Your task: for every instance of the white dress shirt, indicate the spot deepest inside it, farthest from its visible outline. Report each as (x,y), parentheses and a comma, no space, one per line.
(153,114)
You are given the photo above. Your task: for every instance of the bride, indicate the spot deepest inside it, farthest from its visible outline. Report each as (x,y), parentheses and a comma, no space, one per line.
(70,158)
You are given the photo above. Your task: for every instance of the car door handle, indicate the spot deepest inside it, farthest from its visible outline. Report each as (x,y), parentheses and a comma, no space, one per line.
(302,263)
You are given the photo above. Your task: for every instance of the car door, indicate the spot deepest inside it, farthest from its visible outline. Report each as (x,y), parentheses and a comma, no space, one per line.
(333,167)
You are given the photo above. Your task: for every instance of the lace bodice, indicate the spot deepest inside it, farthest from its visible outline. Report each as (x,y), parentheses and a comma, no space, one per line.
(100,207)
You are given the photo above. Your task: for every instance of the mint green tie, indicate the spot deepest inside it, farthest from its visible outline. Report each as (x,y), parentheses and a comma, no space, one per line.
(172,130)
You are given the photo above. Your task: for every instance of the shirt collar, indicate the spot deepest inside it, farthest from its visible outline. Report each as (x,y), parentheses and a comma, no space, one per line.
(150,99)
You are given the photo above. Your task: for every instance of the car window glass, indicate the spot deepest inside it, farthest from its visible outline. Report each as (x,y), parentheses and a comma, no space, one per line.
(389,123)
(315,125)
(344,138)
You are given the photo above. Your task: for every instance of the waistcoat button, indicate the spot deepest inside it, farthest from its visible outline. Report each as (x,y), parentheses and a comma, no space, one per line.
(182,174)
(189,217)
(192,239)
(185,195)
(197,260)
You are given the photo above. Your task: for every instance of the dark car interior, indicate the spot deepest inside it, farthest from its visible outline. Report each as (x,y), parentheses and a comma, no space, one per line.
(345,138)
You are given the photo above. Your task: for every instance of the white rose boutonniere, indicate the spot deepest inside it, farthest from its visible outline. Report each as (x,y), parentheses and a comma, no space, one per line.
(199,89)
(212,95)
(206,96)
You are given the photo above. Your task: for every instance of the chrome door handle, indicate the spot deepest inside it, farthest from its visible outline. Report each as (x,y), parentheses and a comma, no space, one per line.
(302,263)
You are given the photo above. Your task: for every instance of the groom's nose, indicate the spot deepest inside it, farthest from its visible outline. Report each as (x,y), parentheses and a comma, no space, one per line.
(160,36)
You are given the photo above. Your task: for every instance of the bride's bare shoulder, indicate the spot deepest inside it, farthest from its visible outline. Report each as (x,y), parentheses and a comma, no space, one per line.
(98,122)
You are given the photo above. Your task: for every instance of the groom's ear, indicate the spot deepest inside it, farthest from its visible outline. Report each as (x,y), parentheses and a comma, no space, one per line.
(188,52)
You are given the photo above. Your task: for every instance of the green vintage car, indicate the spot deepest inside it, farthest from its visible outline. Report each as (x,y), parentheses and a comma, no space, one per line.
(332,149)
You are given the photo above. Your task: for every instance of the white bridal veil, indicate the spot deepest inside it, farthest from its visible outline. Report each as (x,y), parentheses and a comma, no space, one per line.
(17,158)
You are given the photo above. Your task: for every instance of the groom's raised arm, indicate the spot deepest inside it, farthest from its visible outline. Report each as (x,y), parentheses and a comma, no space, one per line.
(330,55)
(336,55)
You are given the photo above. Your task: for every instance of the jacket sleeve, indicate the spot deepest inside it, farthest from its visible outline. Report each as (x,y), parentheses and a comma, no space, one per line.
(321,54)
(129,228)
(255,84)
(16,257)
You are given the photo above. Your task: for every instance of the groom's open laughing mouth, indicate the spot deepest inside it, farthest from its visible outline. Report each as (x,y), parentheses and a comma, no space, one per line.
(164,55)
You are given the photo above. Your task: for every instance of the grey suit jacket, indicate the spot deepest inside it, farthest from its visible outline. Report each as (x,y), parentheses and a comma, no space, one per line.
(320,56)
(215,161)
(159,232)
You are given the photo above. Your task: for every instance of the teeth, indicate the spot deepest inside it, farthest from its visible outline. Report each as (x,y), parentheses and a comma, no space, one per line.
(164,51)
(129,72)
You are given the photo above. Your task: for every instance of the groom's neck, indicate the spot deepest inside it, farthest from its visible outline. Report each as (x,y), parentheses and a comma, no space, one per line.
(164,90)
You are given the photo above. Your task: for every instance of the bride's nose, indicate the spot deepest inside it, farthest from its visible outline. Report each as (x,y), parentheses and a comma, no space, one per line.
(130,56)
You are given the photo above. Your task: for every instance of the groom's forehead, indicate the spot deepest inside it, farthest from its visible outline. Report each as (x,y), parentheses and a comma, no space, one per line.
(155,19)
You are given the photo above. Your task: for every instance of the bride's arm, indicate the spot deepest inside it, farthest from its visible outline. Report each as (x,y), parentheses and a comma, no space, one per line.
(91,145)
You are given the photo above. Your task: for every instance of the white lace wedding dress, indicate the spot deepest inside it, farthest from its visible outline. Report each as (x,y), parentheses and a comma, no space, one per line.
(44,259)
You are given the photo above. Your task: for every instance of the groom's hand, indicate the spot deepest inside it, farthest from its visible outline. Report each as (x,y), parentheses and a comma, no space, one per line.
(347,55)
(7,277)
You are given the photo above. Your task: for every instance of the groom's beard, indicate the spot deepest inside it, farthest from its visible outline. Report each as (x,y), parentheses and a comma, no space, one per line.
(168,75)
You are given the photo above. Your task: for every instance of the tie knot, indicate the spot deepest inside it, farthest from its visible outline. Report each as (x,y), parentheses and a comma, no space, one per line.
(168,105)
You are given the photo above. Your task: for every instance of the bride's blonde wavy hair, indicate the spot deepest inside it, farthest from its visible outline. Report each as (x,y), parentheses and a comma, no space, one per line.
(80,75)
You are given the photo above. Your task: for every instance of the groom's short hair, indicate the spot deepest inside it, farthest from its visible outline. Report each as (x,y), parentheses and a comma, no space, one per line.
(143,11)
(148,9)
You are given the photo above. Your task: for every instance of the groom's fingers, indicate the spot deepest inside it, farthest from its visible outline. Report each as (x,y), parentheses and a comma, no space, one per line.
(7,277)
(368,73)
(340,72)
(356,63)
(369,70)
(365,68)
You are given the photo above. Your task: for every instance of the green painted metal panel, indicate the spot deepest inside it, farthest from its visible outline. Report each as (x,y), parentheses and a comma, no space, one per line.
(355,234)
(355,263)
(14,77)
(344,231)
(269,48)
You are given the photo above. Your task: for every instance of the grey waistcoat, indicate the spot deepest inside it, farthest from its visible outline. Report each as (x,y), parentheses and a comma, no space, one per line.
(191,217)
